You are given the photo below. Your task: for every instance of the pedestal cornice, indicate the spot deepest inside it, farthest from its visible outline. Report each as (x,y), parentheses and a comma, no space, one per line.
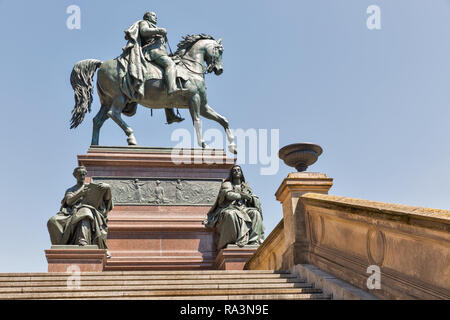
(156,157)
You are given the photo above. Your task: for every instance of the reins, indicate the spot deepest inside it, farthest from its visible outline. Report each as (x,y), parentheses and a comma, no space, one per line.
(204,71)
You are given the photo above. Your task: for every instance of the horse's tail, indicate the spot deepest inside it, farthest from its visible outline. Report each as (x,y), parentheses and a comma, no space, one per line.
(81,81)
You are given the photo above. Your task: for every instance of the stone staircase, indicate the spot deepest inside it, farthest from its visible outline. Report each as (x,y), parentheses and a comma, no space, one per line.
(159,285)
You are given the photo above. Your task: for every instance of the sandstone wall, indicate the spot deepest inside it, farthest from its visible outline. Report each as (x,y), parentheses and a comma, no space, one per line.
(269,255)
(410,245)
(344,237)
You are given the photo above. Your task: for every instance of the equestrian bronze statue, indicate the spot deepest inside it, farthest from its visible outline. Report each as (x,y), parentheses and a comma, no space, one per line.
(146,74)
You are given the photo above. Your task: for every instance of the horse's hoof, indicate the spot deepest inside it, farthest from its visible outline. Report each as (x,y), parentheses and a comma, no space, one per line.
(232,148)
(204,146)
(132,141)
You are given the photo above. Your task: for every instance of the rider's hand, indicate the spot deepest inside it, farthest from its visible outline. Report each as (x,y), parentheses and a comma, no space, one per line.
(245,196)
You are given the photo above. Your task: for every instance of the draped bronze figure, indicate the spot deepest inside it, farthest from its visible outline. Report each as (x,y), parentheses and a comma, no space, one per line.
(237,214)
(82,219)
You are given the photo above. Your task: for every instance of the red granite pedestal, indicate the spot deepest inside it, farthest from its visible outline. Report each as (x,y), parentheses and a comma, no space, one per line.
(234,257)
(75,258)
(159,230)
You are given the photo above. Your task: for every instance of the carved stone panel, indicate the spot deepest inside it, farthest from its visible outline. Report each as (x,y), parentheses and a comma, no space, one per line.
(376,246)
(162,191)
(317,228)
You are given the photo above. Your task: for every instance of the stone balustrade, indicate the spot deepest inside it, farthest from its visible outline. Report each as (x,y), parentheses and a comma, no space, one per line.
(269,255)
(350,239)
(410,245)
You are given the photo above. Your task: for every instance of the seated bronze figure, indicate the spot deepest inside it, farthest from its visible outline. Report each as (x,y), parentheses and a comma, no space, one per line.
(82,219)
(236,215)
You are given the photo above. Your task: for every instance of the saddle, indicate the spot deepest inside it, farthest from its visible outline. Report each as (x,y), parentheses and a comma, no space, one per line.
(155,72)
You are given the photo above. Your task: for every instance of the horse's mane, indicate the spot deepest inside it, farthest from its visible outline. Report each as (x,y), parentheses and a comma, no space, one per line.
(188,41)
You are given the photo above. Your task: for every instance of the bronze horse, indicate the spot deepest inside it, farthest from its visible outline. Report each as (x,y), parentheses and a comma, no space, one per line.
(191,57)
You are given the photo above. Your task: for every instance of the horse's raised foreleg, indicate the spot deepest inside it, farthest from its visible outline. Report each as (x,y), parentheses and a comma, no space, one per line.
(207,112)
(115,114)
(195,115)
(98,121)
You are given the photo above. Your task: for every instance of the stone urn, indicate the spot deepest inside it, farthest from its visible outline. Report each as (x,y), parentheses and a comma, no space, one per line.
(300,155)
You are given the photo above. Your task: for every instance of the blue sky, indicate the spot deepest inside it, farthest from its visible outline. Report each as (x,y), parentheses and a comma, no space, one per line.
(376,101)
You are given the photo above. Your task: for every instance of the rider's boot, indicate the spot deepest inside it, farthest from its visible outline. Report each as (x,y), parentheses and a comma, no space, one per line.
(171,75)
(171,116)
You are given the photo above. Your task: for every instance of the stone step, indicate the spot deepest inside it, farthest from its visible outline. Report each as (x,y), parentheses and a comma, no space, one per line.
(109,282)
(99,277)
(138,294)
(301,296)
(142,272)
(211,286)
(160,285)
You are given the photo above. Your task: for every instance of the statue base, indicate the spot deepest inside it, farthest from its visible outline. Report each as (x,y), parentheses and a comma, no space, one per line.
(161,197)
(75,259)
(234,257)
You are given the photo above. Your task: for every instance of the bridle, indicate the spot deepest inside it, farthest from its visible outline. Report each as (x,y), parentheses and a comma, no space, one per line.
(204,70)
(209,69)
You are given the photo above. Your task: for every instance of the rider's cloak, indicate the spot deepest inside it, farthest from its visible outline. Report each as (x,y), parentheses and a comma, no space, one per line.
(132,64)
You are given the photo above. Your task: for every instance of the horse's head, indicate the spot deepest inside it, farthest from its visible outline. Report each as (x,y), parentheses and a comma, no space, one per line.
(203,49)
(213,56)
